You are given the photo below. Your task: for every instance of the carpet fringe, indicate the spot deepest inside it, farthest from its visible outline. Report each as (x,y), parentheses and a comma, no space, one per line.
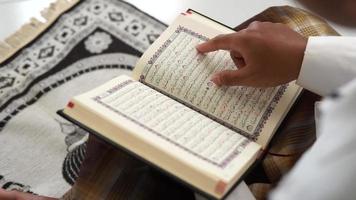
(33,28)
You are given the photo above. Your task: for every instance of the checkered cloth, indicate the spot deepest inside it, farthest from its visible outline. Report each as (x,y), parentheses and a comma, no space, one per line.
(108,173)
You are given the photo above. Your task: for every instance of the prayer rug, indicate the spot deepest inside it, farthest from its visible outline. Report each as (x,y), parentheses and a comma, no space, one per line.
(43,65)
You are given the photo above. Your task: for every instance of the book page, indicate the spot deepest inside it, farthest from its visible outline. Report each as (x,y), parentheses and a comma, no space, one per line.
(176,69)
(173,122)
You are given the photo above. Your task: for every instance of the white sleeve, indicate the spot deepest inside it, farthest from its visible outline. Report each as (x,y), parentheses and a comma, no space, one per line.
(327,170)
(329,62)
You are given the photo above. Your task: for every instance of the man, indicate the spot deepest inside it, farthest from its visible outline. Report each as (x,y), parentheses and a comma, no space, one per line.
(268,54)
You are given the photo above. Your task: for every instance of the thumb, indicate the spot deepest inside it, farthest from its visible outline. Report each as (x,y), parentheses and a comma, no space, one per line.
(230,77)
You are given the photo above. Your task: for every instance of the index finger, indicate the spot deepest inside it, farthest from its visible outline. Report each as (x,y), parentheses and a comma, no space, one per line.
(224,42)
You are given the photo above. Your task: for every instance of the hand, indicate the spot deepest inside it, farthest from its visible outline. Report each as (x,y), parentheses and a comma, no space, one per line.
(15,195)
(266,54)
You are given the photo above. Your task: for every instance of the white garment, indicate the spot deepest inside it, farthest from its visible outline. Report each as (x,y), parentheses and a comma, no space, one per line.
(327,170)
(329,62)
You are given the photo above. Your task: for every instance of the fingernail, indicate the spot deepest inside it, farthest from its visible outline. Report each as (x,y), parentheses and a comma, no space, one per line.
(198,48)
(216,80)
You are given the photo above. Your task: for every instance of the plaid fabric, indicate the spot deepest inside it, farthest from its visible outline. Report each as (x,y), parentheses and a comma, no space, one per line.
(111,174)
(297,132)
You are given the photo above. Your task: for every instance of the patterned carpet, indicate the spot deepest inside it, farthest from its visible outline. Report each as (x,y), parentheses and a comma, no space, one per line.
(91,43)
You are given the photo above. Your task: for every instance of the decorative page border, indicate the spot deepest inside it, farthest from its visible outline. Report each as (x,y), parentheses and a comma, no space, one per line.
(167,43)
(256,133)
(222,164)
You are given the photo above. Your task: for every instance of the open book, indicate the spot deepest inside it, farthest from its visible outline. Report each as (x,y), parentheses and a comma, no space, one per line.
(170,114)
